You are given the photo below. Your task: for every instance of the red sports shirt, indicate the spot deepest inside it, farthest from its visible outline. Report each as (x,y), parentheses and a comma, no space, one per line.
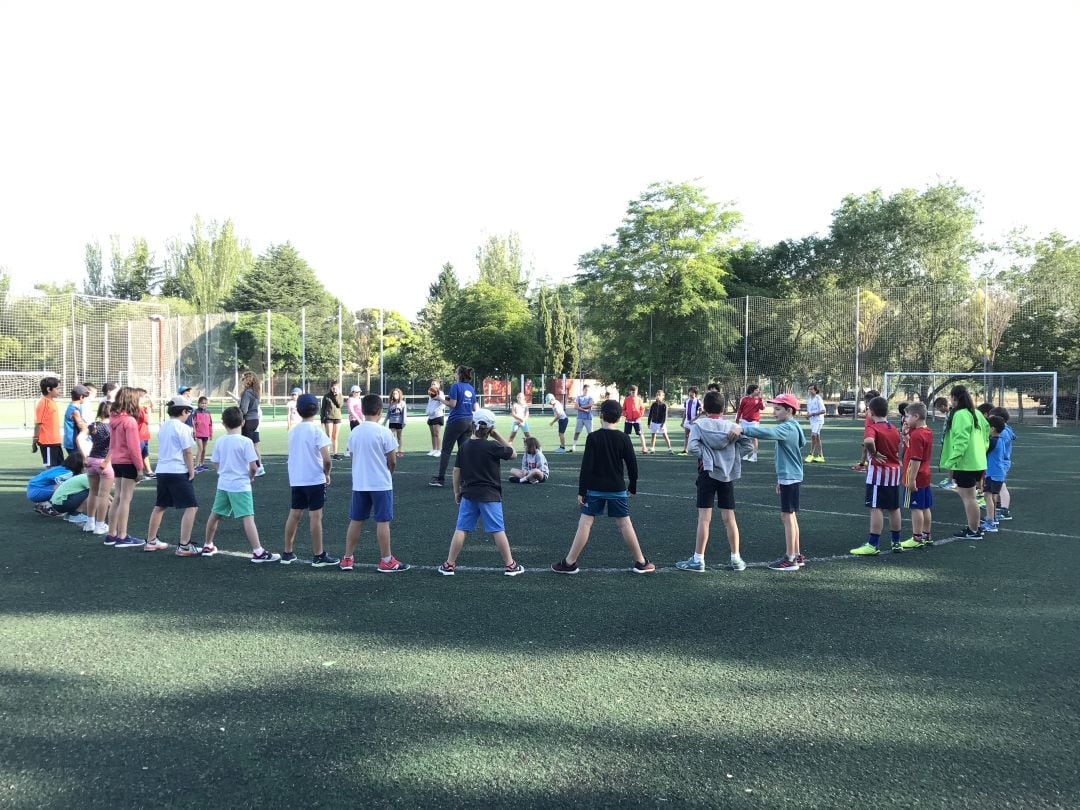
(887,443)
(749,409)
(919,447)
(633,408)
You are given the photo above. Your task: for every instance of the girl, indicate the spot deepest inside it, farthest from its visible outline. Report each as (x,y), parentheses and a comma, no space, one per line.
(292,418)
(749,413)
(396,417)
(249,409)
(534,466)
(127,463)
(356,415)
(330,416)
(560,416)
(519,412)
(434,413)
(99,472)
(202,424)
(462,402)
(146,407)
(967,435)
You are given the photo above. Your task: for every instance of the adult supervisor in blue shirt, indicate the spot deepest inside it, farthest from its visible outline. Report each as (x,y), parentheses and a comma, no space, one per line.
(461,400)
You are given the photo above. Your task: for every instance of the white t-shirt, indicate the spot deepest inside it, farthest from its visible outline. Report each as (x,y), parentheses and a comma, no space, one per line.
(558,409)
(233,455)
(306,442)
(292,417)
(815,406)
(369,442)
(520,411)
(434,409)
(174,437)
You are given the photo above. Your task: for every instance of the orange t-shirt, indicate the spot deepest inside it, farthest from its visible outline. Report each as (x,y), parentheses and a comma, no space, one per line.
(47,415)
(144,422)
(633,408)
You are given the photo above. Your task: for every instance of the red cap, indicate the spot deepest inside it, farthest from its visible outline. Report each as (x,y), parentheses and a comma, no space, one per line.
(786,399)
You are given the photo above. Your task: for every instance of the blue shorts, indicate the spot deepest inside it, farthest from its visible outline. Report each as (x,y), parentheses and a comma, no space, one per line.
(470,511)
(363,503)
(144,448)
(616,507)
(523,427)
(922,498)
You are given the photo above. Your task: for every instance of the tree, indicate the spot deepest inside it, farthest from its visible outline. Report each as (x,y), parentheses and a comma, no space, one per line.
(489,328)
(94,281)
(135,276)
(206,269)
(501,263)
(279,279)
(250,336)
(396,332)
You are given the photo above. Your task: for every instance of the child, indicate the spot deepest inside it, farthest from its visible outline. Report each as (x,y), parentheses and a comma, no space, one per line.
(719,467)
(292,418)
(70,496)
(251,412)
(142,419)
(916,476)
(882,446)
(74,424)
(749,411)
(995,472)
(47,436)
(534,466)
(633,408)
(330,416)
(372,447)
(237,465)
(1007,436)
(435,415)
(815,410)
(789,474)
(202,423)
(99,471)
(352,405)
(40,488)
(89,403)
(174,475)
(584,404)
(869,395)
(658,422)
(396,417)
(519,413)
(561,418)
(478,492)
(309,476)
(126,459)
(693,410)
(601,484)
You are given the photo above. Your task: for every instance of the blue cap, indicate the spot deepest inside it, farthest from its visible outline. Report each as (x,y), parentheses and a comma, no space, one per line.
(183,388)
(307,402)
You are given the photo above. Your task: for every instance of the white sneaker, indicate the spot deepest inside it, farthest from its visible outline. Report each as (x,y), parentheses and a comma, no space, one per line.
(102,529)
(89,526)
(260,472)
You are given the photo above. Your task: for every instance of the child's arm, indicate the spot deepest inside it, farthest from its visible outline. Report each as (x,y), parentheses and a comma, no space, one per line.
(326,463)
(630,460)
(391,460)
(495,435)
(253,467)
(693,447)
(189,462)
(457,484)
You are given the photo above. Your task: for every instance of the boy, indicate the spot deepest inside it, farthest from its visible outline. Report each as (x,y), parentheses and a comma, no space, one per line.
(658,422)
(693,410)
(309,476)
(203,427)
(869,395)
(47,424)
(175,472)
(584,404)
(916,476)
(749,412)
(633,409)
(69,499)
(373,450)
(478,492)
(881,445)
(601,484)
(789,474)
(75,426)
(815,410)
(1004,499)
(560,417)
(720,466)
(237,465)
(995,471)
(40,488)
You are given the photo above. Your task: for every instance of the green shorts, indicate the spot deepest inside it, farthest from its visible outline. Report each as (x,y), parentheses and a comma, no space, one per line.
(233,504)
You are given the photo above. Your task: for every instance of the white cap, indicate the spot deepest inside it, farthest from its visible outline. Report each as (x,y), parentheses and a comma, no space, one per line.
(482,417)
(179,402)
(549,398)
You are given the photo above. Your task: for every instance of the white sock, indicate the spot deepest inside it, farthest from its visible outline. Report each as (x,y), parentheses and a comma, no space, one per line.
(387,559)
(258,552)
(698,557)
(735,558)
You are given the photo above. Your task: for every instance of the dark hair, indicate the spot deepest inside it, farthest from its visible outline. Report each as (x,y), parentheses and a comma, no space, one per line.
(370,404)
(878,406)
(985,408)
(178,410)
(103,409)
(232,418)
(712,387)
(108,388)
(202,400)
(693,389)
(963,401)
(713,402)
(48,384)
(75,463)
(464,374)
(997,423)
(751,388)
(610,411)
(308,408)
(941,402)
(869,395)
(814,386)
(1002,412)
(902,407)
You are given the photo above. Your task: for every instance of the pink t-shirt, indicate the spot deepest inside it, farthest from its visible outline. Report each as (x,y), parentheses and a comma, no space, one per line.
(355,414)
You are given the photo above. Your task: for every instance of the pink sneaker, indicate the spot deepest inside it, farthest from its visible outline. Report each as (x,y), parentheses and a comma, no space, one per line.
(393,565)
(346,564)
(154,545)
(209,550)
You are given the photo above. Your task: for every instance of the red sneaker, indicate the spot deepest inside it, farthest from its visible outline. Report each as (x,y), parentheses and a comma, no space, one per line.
(346,564)
(643,567)
(393,565)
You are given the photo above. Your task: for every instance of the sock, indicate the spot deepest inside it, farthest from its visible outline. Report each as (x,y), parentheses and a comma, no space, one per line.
(735,558)
(698,558)
(896,537)
(873,539)
(258,552)
(387,559)
(790,557)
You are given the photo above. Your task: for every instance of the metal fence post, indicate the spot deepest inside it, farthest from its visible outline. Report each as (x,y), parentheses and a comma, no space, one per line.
(206,355)
(105,350)
(339,355)
(179,343)
(746,346)
(128,370)
(269,373)
(303,348)
(858,315)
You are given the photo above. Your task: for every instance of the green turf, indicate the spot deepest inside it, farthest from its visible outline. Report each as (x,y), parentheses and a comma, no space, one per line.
(940,678)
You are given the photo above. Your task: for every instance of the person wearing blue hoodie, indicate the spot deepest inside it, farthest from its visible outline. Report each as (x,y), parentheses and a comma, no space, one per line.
(995,471)
(1008,437)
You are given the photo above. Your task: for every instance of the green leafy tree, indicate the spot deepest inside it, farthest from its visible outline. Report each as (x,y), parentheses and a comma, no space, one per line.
(489,328)
(279,279)
(94,281)
(206,269)
(135,275)
(501,263)
(250,336)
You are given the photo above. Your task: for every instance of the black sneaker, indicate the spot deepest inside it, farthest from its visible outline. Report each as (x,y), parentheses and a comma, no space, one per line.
(563,567)
(287,558)
(1004,514)
(435,482)
(323,560)
(514,479)
(968,534)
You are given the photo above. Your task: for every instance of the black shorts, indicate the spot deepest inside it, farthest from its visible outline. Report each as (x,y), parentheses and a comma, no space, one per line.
(966,479)
(562,424)
(175,491)
(72,502)
(52,455)
(251,430)
(710,490)
(882,496)
(438,421)
(789,498)
(635,427)
(331,421)
(992,486)
(311,497)
(128,471)
(396,426)
(353,424)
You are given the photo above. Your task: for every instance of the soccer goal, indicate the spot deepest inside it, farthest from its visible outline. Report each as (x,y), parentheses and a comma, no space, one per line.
(1029,396)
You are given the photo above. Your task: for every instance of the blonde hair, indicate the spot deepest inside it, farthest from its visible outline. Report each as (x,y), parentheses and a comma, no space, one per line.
(396,395)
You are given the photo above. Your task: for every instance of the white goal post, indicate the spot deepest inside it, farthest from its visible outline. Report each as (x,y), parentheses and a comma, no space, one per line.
(996,387)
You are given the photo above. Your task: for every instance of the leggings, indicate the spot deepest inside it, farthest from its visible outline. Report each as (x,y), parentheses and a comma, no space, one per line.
(456,433)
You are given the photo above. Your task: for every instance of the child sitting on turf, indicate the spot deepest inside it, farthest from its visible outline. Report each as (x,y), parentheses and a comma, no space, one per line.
(237,465)
(994,479)
(882,447)
(374,452)
(40,488)
(478,492)
(789,474)
(601,485)
(721,451)
(309,476)
(916,476)
(203,425)
(174,475)
(534,465)
(658,422)
(1004,499)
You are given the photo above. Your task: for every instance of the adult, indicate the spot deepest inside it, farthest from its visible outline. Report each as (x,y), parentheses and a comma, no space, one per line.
(967,435)
(815,409)
(330,416)
(249,409)
(461,400)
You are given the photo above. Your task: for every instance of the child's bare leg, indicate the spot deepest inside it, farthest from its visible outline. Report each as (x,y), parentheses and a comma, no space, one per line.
(701,537)
(732,529)
(352,537)
(686,440)
(896,521)
(517,473)
(581,537)
(791,532)
(211,528)
(971,507)
(641,436)
(382,535)
(118,515)
(315,527)
(292,522)
(155,522)
(251,531)
(916,522)
(877,521)
(187,523)
(629,536)
(503,546)
(397,435)
(1004,496)
(927,520)
(333,436)
(456,542)
(434,430)
(667,440)
(990,506)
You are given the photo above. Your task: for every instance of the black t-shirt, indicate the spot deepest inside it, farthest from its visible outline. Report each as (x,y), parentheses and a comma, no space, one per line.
(658,413)
(606,451)
(478,460)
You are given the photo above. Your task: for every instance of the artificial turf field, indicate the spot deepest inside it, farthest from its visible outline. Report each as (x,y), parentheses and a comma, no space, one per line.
(939,678)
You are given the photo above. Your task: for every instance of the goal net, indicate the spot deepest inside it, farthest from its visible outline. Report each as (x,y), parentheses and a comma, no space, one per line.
(1030,397)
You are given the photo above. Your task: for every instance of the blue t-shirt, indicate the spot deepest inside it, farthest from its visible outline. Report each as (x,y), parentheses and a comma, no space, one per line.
(40,487)
(465,397)
(995,459)
(69,425)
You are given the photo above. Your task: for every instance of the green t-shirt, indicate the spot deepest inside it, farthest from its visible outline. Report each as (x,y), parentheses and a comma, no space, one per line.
(77,483)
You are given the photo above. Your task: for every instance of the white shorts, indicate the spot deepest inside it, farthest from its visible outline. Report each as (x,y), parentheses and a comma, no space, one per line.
(686,424)
(657,427)
(523,427)
(816,424)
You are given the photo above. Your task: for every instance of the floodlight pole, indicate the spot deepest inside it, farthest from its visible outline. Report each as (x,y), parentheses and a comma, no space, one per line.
(858,315)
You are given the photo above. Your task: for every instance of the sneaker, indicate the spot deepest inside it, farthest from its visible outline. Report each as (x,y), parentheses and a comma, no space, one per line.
(800,560)
(865,550)
(690,565)
(266,556)
(571,450)
(911,543)
(393,565)
(926,542)
(102,529)
(737,564)
(149,476)
(858,467)
(208,550)
(513,570)
(110,539)
(323,560)
(752,458)
(447,569)
(435,482)
(809,459)
(896,548)
(968,534)
(947,484)
(154,545)
(783,564)
(259,473)
(1004,514)
(187,551)
(200,468)
(563,567)
(671,452)
(643,568)
(988,527)
(560,450)
(819,459)
(89,525)
(346,563)
(513,479)
(131,541)
(288,557)
(76,519)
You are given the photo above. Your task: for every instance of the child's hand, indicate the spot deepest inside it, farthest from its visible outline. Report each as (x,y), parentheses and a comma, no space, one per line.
(778,488)
(34,446)
(328,479)
(580,501)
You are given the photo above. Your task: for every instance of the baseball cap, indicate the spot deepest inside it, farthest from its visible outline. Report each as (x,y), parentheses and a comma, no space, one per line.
(80,391)
(298,391)
(483,418)
(307,401)
(549,398)
(356,389)
(183,388)
(785,399)
(180,402)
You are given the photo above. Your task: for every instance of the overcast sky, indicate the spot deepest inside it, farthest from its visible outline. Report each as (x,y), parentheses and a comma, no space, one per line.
(383,141)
